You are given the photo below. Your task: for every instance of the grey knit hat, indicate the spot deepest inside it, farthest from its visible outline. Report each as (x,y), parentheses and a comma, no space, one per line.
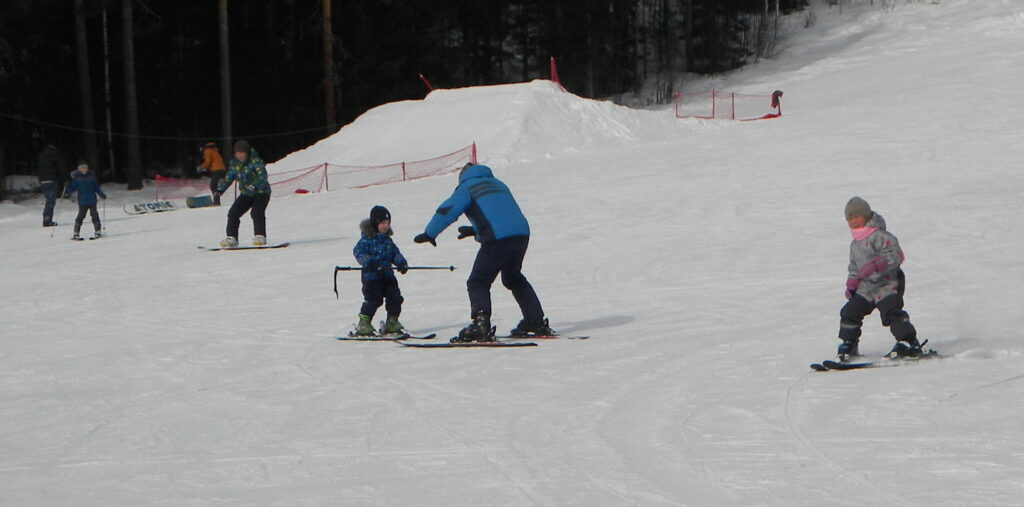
(858,206)
(242,146)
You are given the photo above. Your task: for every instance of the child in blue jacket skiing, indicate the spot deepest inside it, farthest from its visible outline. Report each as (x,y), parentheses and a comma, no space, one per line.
(874,280)
(377,253)
(504,235)
(85,183)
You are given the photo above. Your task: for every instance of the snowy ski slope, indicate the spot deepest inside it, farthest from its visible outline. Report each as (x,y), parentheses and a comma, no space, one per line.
(706,260)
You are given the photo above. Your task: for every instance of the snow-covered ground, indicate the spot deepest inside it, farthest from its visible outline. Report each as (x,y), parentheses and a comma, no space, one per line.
(706,260)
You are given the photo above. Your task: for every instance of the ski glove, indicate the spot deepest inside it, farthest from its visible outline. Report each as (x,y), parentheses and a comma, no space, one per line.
(424,238)
(466,231)
(403,268)
(876,265)
(851,287)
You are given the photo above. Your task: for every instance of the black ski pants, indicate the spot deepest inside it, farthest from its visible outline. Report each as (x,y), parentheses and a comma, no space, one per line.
(503,256)
(50,190)
(258,204)
(82,209)
(851,317)
(215,177)
(375,292)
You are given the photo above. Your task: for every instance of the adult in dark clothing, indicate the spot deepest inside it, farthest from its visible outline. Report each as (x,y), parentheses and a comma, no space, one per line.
(504,235)
(248,168)
(85,183)
(51,179)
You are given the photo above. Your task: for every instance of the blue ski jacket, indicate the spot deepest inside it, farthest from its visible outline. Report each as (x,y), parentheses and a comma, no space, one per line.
(378,252)
(87,187)
(486,202)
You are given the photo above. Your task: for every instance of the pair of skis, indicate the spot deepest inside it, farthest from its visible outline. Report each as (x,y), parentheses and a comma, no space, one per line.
(500,341)
(390,337)
(885,362)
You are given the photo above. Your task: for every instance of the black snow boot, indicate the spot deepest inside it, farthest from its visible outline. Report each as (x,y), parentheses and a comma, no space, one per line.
(907,348)
(533,327)
(479,330)
(847,350)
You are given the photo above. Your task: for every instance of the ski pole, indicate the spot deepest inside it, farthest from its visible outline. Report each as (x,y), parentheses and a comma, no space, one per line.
(359,268)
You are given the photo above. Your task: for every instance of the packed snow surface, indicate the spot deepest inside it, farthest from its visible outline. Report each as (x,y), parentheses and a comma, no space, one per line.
(705,260)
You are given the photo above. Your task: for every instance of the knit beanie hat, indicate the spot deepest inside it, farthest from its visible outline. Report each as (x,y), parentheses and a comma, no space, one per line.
(858,206)
(242,146)
(379,214)
(82,162)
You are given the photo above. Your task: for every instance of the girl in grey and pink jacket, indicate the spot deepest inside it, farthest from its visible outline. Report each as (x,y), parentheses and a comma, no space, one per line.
(874,280)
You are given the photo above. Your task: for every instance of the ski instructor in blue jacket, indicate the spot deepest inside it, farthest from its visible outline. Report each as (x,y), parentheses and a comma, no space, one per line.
(504,235)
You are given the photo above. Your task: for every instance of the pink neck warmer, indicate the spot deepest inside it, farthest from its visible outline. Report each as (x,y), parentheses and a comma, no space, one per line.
(862,233)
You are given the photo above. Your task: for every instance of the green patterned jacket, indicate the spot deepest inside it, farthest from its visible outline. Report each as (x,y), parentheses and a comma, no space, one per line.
(251,175)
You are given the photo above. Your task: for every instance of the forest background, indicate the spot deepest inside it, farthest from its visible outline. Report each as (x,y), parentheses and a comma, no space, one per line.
(134,87)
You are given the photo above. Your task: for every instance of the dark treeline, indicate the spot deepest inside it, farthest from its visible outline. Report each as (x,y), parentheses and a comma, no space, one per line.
(603,48)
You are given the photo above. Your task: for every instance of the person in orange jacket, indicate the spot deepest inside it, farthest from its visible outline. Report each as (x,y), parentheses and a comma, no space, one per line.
(213,163)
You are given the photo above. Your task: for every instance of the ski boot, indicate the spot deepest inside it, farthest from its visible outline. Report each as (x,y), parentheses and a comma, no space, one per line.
(76,237)
(97,235)
(392,326)
(364,327)
(532,327)
(259,240)
(907,348)
(847,351)
(229,242)
(479,330)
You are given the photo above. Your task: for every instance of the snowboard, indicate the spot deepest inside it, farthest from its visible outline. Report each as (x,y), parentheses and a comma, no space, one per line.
(201,201)
(264,247)
(149,207)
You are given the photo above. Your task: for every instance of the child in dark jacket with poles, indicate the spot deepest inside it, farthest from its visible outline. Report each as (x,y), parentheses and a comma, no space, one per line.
(85,183)
(376,253)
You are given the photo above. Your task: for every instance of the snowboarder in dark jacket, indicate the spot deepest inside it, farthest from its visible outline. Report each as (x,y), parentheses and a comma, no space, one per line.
(51,180)
(376,253)
(504,235)
(85,183)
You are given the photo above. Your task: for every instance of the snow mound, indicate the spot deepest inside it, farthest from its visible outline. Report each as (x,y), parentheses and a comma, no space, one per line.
(507,122)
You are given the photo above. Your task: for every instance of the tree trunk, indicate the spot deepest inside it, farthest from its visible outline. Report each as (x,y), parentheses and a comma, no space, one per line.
(106,95)
(225,80)
(688,58)
(131,100)
(85,89)
(329,105)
